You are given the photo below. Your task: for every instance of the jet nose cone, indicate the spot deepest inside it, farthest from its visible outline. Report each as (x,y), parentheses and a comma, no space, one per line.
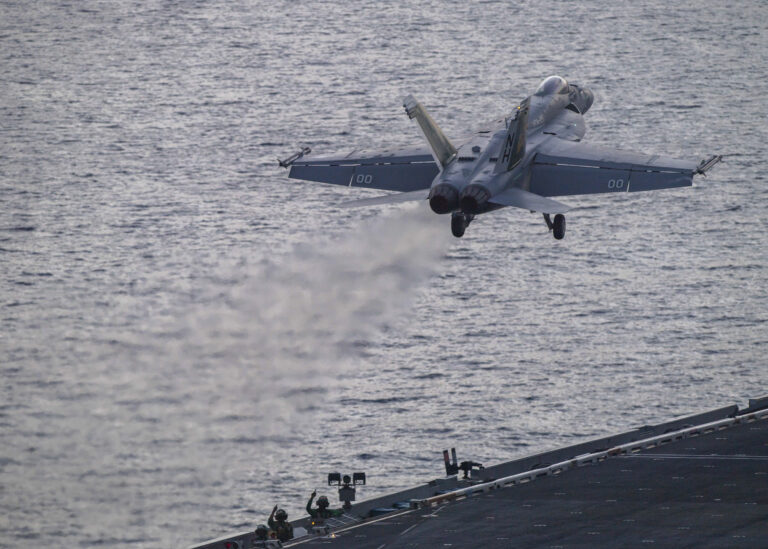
(474,198)
(443,198)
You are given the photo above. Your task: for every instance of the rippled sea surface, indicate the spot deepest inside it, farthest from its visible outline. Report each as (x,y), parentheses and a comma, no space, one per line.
(187,337)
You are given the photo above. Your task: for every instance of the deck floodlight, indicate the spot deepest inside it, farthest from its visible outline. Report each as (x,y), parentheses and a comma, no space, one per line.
(347,486)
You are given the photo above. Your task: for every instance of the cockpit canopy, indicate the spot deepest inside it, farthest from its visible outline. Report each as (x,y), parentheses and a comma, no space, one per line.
(553,85)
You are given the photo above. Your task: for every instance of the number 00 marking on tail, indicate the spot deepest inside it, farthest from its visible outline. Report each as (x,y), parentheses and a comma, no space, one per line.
(362,179)
(615,183)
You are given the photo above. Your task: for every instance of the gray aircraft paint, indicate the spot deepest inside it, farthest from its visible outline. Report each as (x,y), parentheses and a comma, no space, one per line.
(480,176)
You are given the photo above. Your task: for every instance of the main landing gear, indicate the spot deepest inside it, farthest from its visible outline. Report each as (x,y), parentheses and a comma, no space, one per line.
(557,226)
(459,223)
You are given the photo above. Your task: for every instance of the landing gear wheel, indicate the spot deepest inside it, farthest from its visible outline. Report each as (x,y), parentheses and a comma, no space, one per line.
(458,224)
(558,227)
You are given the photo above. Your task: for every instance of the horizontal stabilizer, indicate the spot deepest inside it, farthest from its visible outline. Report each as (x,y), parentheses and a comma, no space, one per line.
(519,198)
(421,194)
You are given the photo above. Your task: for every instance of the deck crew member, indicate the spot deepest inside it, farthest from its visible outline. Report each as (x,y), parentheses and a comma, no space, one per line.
(278,521)
(262,532)
(322,511)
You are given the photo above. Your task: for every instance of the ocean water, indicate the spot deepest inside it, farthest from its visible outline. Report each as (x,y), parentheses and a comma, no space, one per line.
(187,337)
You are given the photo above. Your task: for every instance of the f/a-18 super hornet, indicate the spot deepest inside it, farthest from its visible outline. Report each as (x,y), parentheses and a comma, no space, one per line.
(519,161)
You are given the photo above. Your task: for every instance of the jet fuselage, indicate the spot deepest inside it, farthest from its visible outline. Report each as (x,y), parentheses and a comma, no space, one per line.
(471,179)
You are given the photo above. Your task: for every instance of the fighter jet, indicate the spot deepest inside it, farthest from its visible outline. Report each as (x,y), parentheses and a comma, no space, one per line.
(520,160)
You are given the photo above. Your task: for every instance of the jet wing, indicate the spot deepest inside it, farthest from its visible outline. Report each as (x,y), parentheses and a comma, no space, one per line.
(563,167)
(403,170)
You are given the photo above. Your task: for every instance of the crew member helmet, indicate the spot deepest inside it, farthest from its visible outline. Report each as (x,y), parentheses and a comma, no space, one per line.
(322,502)
(281,515)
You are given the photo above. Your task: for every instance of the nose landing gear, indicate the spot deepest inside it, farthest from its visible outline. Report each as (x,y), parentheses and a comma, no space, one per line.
(459,223)
(557,226)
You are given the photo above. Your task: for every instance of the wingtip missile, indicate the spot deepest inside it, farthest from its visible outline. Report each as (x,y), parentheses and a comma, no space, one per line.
(293,158)
(707,164)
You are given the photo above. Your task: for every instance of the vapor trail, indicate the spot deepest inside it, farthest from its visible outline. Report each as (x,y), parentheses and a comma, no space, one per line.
(302,318)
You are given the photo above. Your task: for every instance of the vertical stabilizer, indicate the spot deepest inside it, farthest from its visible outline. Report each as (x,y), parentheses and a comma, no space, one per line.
(442,149)
(513,149)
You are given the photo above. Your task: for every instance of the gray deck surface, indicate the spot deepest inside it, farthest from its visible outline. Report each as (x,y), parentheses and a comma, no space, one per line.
(707,491)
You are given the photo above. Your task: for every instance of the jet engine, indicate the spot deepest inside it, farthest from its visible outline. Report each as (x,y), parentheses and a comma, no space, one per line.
(473,198)
(443,198)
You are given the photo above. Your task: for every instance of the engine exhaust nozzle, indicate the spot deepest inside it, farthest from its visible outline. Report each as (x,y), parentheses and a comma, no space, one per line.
(443,198)
(474,198)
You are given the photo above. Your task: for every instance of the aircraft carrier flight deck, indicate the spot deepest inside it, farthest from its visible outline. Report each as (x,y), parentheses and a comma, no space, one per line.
(697,481)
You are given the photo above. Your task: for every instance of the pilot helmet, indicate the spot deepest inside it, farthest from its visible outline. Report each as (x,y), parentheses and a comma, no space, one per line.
(281,515)
(262,531)
(322,502)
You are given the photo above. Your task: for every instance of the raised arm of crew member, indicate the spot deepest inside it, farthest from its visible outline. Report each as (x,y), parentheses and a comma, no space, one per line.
(312,512)
(322,511)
